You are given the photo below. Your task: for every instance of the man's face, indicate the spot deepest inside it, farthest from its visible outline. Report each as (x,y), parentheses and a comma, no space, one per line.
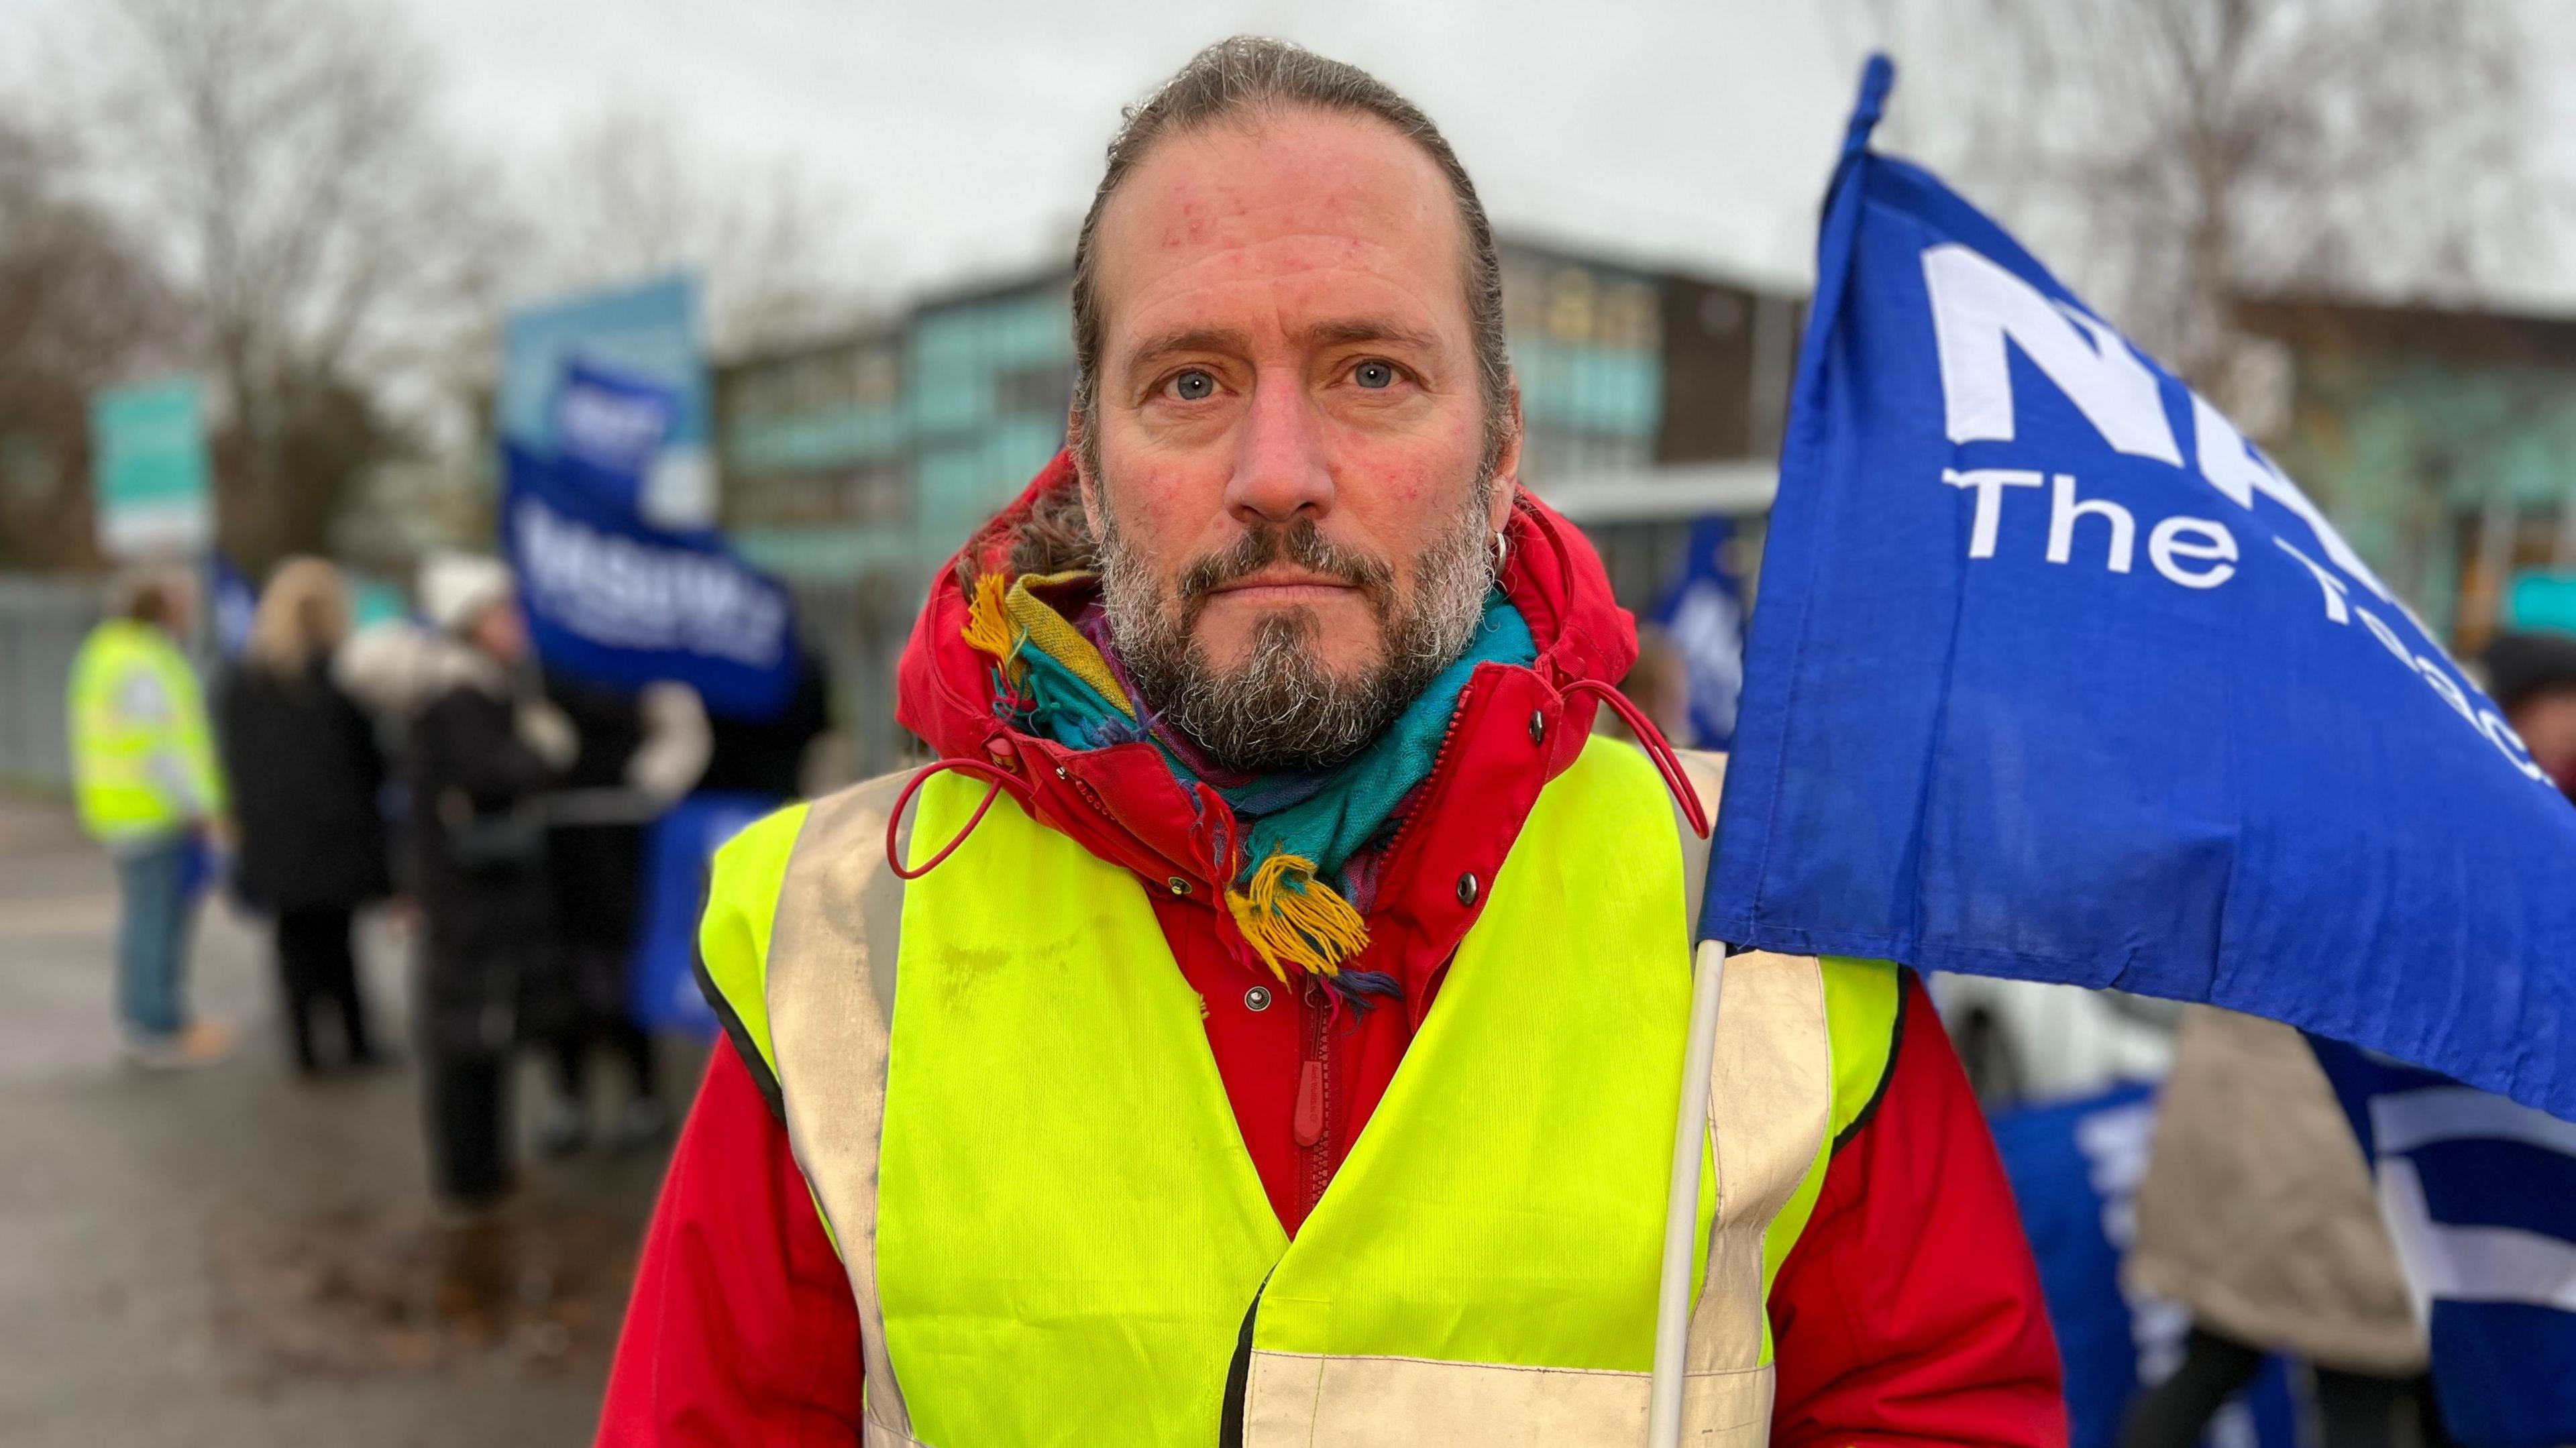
(1289,433)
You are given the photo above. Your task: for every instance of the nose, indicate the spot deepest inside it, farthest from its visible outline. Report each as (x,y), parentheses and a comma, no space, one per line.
(1280,472)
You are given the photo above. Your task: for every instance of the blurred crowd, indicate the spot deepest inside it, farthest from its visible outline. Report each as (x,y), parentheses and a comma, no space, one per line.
(428,765)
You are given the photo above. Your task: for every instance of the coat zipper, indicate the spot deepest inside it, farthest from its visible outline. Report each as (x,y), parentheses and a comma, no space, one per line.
(1439,756)
(1313,1121)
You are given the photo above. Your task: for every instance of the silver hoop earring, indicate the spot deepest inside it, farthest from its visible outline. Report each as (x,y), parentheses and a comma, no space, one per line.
(1501,555)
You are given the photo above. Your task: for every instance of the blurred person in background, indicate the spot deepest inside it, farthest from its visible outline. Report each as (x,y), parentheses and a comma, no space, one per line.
(767,756)
(1658,684)
(483,746)
(306,779)
(1264,722)
(143,764)
(2532,678)
(2258,1214)
(639,752)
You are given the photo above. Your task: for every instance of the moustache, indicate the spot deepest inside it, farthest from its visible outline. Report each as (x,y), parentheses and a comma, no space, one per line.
(1300,543)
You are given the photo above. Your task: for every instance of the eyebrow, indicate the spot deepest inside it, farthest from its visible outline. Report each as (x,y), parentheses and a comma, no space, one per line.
(1340,331)
(1345,331)
(1188,339)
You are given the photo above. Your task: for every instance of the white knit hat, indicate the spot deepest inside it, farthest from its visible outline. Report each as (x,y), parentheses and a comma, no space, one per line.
(455,588)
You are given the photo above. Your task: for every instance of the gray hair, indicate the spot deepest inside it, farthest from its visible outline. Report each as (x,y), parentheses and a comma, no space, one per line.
(1248,75)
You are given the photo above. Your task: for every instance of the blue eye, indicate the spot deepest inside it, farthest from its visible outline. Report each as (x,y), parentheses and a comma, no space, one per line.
(1193,385)
(1373,375)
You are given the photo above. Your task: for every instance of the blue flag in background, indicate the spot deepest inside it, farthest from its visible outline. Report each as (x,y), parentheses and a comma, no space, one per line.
(617,600)
(2056,678)
(2075,1168)
(236,603)
(2480,1198)
(1703,614)
(610,422)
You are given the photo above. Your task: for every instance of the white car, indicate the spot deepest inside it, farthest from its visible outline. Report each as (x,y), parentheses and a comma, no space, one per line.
(2026,1043)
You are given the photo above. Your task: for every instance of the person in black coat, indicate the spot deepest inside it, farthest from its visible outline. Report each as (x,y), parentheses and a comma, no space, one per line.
(306,776)
(639,751)
(481,748)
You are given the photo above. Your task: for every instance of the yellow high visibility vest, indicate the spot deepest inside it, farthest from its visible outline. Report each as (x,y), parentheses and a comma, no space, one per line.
(998,1085)
(134,700)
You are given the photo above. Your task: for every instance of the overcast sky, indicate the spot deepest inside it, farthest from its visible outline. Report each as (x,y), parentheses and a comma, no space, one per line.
(966,137)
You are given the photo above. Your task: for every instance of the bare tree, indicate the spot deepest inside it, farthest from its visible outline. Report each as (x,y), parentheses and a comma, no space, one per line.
(2180,155)
(625,199)
(80,308)
(324,232)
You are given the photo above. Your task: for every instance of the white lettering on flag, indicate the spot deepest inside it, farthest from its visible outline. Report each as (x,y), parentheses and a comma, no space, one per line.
(2401,1121)
(2240,472)
(620,593)
(1977,306)
(2471,1264)
(1989,484)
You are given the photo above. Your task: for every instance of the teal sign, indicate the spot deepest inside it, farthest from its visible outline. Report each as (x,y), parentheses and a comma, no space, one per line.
(148,465)
(2542,601)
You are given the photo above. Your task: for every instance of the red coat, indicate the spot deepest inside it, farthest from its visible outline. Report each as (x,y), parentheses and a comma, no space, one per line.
(1909,1312)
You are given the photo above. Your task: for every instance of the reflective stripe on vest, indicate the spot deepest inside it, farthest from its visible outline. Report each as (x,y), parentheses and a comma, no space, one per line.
(1068,1233)
(114,749)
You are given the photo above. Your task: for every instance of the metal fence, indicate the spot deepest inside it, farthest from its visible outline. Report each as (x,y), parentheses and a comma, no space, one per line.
(42,620)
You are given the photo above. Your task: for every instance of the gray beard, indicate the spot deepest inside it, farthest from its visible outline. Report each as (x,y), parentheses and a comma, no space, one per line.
(1281,708)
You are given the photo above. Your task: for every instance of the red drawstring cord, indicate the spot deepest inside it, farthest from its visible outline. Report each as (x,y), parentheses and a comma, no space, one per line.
(1656,746)
(894,819)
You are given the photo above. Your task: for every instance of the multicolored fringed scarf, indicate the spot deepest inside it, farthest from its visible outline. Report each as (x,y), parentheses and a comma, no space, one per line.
(1311,837)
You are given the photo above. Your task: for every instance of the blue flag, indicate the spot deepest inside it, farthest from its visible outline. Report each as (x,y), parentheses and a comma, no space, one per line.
(2075,1168)
(2480,1198)
(663,992)
(611,422)
(2055,677)
(617,600)
(236,603)
(1703,614)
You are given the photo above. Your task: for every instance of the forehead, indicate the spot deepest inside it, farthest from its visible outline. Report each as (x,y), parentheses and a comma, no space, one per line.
(1306,212)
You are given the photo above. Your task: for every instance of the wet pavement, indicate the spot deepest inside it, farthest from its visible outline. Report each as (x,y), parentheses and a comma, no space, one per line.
(233,1256)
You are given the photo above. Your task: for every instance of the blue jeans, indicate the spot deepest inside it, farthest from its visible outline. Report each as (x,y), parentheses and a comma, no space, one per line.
(152,941)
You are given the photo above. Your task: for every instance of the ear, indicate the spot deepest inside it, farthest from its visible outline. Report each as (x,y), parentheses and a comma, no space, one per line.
(1077,443)
(1507,464)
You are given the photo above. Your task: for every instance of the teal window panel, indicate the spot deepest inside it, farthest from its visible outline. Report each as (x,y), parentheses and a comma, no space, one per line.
(951,397)
(1018,446)
(830,439)
(822,554)
(1591,388)
(956,481)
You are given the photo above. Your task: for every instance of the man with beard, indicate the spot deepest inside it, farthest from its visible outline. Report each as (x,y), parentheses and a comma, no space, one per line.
(1264,1023)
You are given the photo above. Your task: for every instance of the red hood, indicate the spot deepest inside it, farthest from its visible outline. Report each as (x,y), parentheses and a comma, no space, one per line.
(1514,730)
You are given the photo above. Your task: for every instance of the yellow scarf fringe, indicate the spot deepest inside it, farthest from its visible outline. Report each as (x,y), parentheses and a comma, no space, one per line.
(1287,914)
(990,630)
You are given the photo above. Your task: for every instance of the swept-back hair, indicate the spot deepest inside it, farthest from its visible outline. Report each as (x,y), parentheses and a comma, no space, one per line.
(1243,78)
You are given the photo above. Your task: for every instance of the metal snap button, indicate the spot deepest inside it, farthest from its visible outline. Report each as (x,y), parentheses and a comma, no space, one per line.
(1467,889)
(1179,885)
(1257,998)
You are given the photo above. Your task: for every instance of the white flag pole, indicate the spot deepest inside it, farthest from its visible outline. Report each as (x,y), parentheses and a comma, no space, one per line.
(1673,1302)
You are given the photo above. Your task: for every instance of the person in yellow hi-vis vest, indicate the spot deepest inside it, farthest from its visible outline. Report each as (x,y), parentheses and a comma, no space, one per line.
(144,772)
(1270,1020)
